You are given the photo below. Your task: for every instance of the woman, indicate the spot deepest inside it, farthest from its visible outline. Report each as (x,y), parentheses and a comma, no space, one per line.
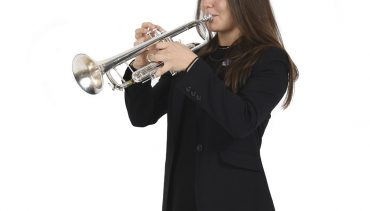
(217,106)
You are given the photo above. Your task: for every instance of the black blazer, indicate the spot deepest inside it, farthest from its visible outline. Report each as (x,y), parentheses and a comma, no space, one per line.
(230,176)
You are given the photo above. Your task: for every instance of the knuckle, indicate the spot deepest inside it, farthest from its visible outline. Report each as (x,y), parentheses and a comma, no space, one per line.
(147,24)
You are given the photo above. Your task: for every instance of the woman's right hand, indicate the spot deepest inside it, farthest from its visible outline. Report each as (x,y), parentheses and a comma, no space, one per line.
(141,35)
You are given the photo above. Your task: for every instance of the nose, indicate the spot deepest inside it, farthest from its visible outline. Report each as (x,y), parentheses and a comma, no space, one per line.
(207,3)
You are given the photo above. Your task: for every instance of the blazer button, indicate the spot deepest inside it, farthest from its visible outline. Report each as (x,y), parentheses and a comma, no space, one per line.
(199,97)
(199,148)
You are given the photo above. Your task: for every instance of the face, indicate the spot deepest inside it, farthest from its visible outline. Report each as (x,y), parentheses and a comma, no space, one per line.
(222,18)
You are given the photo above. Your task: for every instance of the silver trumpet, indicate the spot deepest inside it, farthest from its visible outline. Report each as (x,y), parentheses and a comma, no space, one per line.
(89,73)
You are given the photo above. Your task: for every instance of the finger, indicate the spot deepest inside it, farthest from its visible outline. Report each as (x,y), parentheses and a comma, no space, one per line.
(162,45)
(178,43)
(156,57)
(141,32)
(152,26)
(162,70)
(151,51)
(139,41)
(160,28)
(159,57)
(148,25)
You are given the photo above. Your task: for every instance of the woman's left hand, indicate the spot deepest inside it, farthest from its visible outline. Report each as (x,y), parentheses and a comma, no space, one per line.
(175,56)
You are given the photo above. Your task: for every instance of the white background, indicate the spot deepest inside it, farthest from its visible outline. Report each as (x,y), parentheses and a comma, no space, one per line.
(62,149)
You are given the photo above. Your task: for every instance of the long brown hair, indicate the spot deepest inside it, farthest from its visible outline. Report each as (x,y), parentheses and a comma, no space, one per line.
(259,31)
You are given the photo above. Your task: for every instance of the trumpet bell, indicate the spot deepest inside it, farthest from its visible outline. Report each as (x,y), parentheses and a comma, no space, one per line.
(87,74)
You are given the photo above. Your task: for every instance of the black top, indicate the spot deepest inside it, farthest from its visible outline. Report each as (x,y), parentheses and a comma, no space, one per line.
(229,174)
(182,187)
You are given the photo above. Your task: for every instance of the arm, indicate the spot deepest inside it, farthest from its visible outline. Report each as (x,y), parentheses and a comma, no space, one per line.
(239,113)
(146,104)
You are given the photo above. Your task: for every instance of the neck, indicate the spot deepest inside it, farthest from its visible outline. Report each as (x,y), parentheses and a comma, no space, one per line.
(228,38)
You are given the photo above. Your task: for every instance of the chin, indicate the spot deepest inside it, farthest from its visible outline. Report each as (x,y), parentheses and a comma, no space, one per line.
(213,27)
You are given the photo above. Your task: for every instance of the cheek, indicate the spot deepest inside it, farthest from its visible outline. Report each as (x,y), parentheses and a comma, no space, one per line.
(224,21)
(228,20)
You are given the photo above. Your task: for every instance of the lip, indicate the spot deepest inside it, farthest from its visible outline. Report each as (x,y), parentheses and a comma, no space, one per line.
(211,13)
(213,16)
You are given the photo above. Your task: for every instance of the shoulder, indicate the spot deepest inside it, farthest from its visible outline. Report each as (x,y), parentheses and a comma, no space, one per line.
(273,61)
(273,54)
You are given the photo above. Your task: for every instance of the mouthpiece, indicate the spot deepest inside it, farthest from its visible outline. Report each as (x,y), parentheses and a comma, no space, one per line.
(207,17)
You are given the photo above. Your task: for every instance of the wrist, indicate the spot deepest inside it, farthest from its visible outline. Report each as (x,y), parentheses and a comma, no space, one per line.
(191,63)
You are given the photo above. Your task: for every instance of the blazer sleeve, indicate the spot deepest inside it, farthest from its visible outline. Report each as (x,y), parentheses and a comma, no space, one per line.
(146,104)
(239,113)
